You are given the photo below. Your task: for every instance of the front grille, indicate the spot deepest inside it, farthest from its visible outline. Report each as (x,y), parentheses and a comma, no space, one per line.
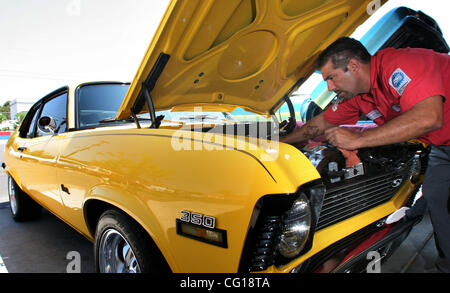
(346,200)
(267,234)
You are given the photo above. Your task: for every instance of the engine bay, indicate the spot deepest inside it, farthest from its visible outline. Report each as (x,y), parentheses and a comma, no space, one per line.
(359,180)
(338,165)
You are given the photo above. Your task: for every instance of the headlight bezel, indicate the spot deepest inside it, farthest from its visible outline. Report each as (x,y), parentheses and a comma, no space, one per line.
(314,193)
(262,225)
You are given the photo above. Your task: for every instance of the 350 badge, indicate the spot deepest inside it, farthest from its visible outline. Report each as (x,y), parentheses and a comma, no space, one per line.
(198,219)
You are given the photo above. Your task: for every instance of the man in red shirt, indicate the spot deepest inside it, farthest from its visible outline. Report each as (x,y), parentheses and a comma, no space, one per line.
(405,92)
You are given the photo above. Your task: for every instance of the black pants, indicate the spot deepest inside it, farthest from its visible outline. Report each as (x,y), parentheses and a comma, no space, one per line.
(436,196)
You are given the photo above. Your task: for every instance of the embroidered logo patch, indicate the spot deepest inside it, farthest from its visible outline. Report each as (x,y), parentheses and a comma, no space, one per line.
(399,80)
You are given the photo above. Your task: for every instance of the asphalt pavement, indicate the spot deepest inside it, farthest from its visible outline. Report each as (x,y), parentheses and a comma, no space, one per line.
(45,245)
(48,245)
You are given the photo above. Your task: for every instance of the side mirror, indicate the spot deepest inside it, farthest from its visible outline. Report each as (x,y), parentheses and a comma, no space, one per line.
(47,124)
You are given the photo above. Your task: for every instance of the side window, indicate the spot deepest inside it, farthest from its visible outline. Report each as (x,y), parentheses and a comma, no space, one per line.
(28,125)
(30,132)
(57,109)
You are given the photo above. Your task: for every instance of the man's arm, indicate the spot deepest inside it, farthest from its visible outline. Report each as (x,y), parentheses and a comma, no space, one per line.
(309,130)
(422,118)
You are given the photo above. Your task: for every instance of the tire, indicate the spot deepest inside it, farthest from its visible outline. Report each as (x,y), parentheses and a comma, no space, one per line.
(312,111)
(122,246)
(22,206)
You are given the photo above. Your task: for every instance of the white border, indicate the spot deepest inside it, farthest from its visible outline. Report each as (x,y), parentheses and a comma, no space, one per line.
(2,266)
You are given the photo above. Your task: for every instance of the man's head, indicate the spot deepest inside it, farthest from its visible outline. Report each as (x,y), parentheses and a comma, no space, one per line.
(345,66)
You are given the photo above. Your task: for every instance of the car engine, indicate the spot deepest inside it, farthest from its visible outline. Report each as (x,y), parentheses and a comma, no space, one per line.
(359,180)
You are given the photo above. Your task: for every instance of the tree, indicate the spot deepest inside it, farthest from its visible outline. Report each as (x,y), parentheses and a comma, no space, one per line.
(6,110)
(19,118)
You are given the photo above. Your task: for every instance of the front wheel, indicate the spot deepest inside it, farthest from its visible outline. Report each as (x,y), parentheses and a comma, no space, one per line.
(122,246)
(22,207)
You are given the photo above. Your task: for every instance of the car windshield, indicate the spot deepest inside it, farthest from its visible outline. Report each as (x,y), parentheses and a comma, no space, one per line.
(97,104)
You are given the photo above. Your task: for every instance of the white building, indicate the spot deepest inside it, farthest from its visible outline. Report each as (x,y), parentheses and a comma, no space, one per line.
(20,105)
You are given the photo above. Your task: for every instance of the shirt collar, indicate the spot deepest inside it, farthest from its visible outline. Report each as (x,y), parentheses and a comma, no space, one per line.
(373,79)
(373,73)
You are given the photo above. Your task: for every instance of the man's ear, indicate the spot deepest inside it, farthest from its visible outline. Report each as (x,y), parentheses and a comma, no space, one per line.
(353,65)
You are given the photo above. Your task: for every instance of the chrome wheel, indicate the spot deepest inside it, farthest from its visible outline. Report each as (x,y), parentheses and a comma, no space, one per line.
(12,196)
(116,255)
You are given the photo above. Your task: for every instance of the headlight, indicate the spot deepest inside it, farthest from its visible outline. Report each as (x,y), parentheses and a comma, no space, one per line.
(416,168)
(296,227)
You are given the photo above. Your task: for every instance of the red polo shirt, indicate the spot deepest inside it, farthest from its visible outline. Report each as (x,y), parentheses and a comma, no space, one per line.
(400,78)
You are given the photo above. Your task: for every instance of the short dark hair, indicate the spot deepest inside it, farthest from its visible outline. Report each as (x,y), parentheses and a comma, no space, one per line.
(341,51)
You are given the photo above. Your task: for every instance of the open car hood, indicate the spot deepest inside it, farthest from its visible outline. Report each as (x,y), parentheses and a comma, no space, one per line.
(227,53)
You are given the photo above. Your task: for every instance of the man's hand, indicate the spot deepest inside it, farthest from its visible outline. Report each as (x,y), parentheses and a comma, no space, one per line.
(343,138)
(422,118)
(309,130)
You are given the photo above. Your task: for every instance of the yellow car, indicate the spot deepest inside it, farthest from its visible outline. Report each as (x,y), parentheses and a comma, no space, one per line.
(181,170)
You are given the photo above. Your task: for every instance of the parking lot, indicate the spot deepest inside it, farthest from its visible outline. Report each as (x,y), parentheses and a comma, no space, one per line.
(43,246)
(48,245)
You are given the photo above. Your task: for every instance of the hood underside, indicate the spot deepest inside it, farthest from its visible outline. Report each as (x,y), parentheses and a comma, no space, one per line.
(228,53)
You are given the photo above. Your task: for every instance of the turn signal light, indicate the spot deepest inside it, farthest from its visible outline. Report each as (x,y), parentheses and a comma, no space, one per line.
(212,236)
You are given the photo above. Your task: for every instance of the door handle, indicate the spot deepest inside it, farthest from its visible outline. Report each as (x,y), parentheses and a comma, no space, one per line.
(21,149)
(65,189)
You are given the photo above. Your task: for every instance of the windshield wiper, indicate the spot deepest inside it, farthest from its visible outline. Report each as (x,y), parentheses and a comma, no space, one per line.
(113,119)
(132,119)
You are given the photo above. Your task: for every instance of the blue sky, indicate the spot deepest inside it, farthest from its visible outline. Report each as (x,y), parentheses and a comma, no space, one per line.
(44,44)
